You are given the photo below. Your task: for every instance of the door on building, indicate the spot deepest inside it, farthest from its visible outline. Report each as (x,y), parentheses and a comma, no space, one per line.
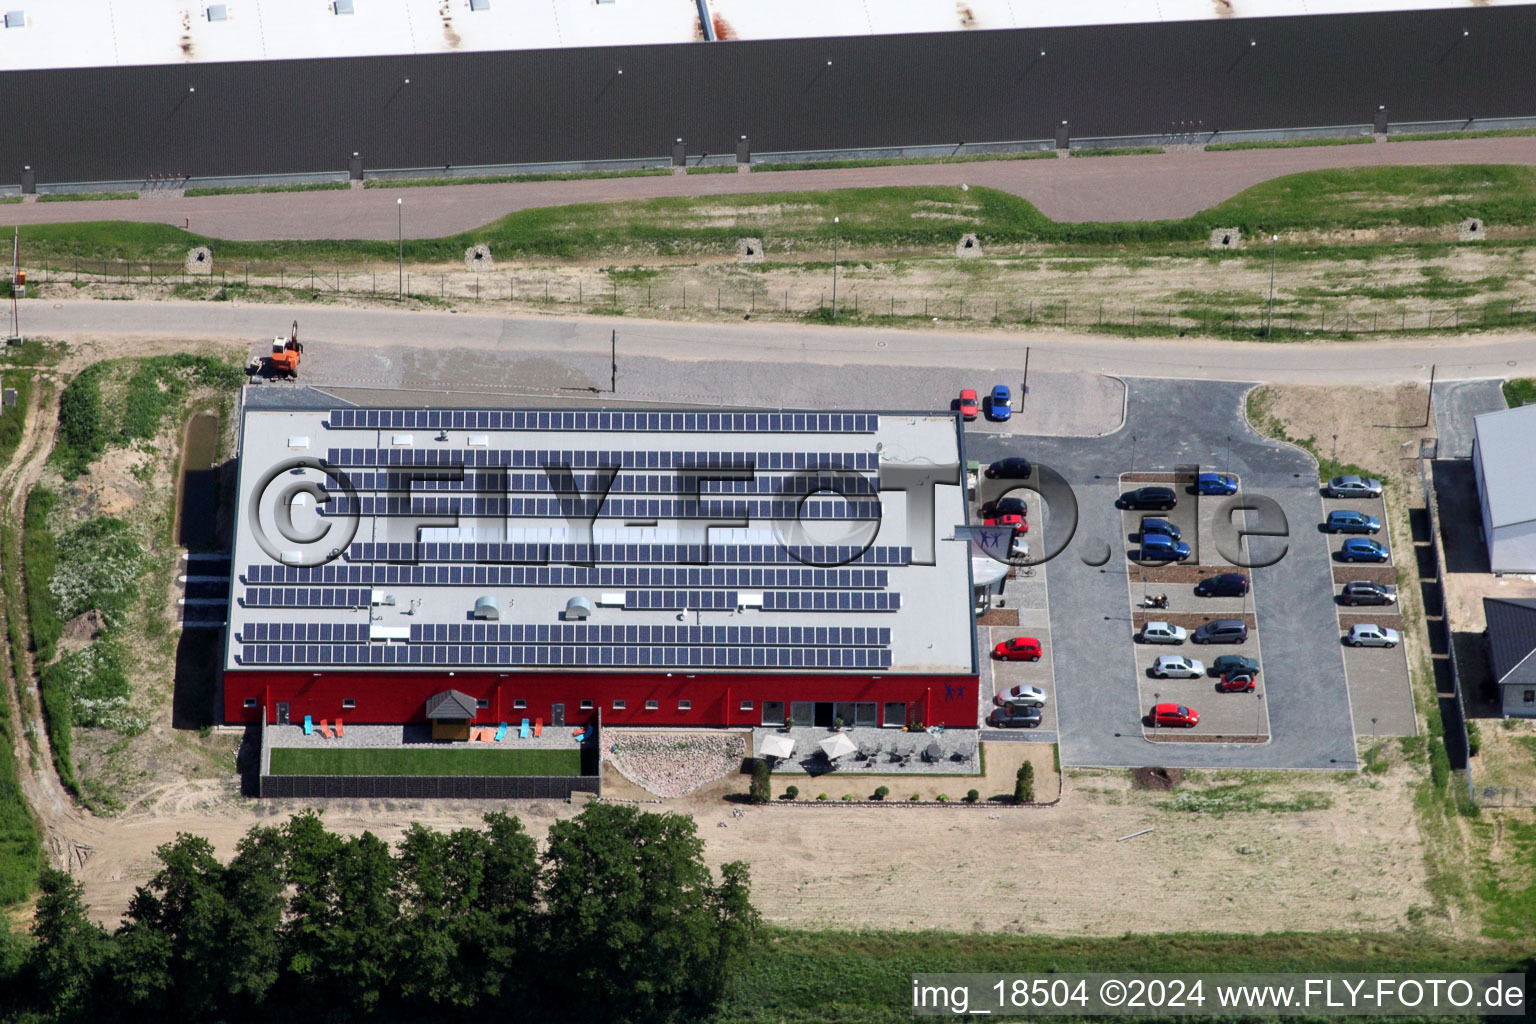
(825,713)
(773,712)
(895,714)
(804,712)
(864,713)
(556,715)
(282,712)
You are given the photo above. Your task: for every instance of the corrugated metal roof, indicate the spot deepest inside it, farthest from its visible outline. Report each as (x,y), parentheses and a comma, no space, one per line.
(1512,639)
(1509,464)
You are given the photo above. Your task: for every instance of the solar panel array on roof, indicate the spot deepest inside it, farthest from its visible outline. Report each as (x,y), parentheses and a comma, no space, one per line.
(582,458)
(602,508)
(577,554)
(571,576)
(565,656)
(686,482)
(626,421)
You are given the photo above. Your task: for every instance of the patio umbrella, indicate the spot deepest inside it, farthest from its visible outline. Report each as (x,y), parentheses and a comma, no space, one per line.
(777,745)
(838,745)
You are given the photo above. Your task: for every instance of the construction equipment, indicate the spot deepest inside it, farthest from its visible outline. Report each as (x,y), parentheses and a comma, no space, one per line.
(283,362)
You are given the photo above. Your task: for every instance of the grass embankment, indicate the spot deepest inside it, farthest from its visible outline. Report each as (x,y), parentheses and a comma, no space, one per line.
(880,218)
(1521,391)
(1492,133)
(1119,151)
(83,197)
(498,179)
(963,158)
(13,418)
(804,977)
(379,761)
(1351,140)
(241,190)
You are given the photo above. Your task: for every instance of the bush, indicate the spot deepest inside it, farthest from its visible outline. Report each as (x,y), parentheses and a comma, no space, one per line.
(821,796)
(99,568)
(761,790)
(915,797)
(38,558)
(847,798)
(792,793)
(1024,784)
(1474,738)
(942,798)
(882,792)
(971,796)
(82,424)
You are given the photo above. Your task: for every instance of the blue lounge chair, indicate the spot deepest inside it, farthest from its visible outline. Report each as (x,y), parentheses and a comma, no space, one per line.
(522,733)
(309,728)
(501,733)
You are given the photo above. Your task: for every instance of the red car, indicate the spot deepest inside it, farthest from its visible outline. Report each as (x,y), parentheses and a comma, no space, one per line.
(1165,715)
(1017,522)
(968,404)
(1237,682)
(1020,648)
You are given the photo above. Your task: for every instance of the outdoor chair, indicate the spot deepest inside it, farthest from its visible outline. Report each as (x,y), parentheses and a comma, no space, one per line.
(501,732)
(340,732)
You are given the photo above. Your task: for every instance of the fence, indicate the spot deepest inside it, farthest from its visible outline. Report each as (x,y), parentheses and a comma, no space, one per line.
(1504,796)
(606,295)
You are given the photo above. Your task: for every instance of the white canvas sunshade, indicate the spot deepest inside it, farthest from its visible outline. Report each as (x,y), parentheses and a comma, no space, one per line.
(777,745)
(837,745)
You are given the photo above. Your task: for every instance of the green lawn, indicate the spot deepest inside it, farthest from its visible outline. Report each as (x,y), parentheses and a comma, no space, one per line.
(434,761)
(888,218)
(1519,392)
(1348,140)
(1118,151)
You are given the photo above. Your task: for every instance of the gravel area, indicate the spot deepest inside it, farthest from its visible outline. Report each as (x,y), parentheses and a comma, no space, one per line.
(673,764)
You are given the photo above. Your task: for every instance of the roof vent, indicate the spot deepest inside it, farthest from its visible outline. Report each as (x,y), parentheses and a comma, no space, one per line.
(342,6)
(578,608)
(15,19)
(218,12)
(479,5)
(486,607)
(402,439)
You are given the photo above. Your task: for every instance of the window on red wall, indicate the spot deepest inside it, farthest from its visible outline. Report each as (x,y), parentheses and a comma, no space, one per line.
(519,703)
(746,705)
(586,705)
(349,702)
(482,703)
(619,705)
(685,705)
(250,702)
(652,705)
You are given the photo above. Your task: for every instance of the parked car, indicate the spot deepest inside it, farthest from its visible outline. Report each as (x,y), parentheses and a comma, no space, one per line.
(1367,635)
(1016,716)
(1349,521)
(1176,666)
(1160,498)
(1005,507)
(1162,633)
(1221,631)
(1000,403)
(1224,584)
(968,404)
(1015,467)
(1018,548)
(1362,549)
(1152,524)
(1020,648)
(1363,592)
(1231,664)
(1016,522)
(1159,547)
(1237,682)
(1031,696)
(1352,486)
(1216,483)
(1175,715)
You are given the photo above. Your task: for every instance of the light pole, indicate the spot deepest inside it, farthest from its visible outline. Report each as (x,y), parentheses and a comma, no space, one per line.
(836,233)
(1155,698)
(1258,721)
(1269,320)
(400,248)
(1335,457)
(1373,743)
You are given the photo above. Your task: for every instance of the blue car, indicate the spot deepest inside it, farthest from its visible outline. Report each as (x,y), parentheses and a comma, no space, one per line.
(1159,547)
(1152,525)
(1345,521)
(1217,483)
(1000,406)
(1361,549)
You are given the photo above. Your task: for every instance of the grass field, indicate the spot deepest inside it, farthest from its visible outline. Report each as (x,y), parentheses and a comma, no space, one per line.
(1493,133)
(1351,140)
(875,218)
(436,761)
(1519,392)
(1119,151)
(241,190)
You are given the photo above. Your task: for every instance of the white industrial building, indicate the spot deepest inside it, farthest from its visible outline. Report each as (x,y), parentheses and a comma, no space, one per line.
(1504,458)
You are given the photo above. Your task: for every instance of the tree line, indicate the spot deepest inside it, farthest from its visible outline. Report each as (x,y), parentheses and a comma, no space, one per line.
(618,919)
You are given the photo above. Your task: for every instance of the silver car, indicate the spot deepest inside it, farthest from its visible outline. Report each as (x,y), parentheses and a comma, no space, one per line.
(1174,666)
(1352,486)
(1163,633)
(1367,635)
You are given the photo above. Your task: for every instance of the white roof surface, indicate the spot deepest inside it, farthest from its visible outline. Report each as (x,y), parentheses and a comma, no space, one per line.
(105,33)
(1509,465)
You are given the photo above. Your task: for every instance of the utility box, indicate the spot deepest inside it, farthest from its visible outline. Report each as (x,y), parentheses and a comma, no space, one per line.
(1063,136)
(28,181)
(355,168)
(743,151)
(1381,121)
(679,156)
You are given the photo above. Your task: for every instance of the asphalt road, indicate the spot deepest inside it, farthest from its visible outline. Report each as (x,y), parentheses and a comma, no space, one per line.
(1149,187)
(1099,711)
(1457,403)
(384,347)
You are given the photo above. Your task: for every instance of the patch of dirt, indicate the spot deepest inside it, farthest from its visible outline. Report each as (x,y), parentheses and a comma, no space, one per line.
(112,487)
(1157,779)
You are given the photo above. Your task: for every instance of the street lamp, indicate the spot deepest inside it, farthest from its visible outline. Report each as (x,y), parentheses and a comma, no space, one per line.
(400,248)
(1269,320)
(1373,743)
(1258,721)
(836,232)
(1155,698)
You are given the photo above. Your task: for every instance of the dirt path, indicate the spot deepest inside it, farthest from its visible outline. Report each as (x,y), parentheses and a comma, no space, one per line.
(1175,184)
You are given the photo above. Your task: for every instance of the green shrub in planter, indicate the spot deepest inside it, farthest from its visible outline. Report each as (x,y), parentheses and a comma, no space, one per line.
(915,797)
(847,797)
(942,798)
(972,796)
(882,792)
(761,790)
(792,793)
(821,796)
(1024,784)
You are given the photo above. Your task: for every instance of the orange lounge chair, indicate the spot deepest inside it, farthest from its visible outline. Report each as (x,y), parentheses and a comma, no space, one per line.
(538,727)
(325,730)
(339,730)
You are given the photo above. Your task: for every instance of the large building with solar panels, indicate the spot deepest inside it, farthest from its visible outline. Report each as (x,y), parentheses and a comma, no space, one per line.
(667,567)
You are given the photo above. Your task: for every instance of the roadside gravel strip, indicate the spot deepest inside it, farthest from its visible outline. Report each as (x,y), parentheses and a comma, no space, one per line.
(1143,187)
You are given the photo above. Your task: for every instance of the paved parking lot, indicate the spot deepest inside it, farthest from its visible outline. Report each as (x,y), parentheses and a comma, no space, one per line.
(1380,694)
(1097,680)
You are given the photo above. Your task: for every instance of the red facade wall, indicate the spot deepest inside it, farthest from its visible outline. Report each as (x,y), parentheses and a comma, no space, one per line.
(716,698)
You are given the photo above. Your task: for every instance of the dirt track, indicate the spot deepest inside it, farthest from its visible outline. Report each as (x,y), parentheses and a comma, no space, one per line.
(1175,184)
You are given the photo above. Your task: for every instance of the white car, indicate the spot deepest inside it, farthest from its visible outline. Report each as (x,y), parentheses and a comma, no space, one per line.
(1029,696)
(1174,666)
(1019,548)
(1352,486)
(1366,635)
(1163,633)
